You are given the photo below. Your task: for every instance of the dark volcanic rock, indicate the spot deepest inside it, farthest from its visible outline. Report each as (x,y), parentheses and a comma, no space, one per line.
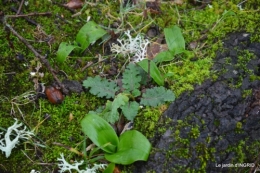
(223,116)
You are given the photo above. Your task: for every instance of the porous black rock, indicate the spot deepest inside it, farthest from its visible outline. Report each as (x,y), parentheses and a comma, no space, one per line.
(223,115)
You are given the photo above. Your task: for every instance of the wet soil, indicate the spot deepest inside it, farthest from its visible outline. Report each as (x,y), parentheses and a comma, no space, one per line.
(220,109)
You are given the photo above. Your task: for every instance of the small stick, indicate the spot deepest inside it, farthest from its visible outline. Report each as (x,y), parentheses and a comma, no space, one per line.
(42,59)
(29,14)
(20,7)
(26,18)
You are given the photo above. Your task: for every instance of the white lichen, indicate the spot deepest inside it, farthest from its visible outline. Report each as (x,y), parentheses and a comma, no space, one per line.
(134,48)
(65,166)
(8,143)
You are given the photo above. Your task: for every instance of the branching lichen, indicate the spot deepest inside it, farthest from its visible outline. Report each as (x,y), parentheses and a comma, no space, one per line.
(65,166)
(131,46)
(7,144)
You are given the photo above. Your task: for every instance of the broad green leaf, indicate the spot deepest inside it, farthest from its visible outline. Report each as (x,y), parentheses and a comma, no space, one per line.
(163,56)
(89,34)
(64,50)
(156,96)
(110,168)
(131,80)
(154,71)
(130,110)
(100,132)
(133,146)
(101,87)
(174,39)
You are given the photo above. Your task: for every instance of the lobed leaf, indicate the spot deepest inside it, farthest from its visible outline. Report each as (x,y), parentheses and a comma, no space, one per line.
(101,87)
(131,80)
(106,114)
(156,96)
(130,110)
(110,113)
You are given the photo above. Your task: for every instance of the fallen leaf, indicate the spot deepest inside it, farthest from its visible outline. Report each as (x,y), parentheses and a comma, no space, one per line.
(155,48)
(74,4)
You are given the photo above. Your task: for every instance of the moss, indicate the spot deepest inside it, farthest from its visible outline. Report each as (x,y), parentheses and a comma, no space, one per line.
(150,116)
(186,73)
(185,132)
(187,70)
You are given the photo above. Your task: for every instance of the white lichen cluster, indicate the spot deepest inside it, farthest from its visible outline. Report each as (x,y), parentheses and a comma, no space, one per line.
(8,143)
(65,166)
(134,48)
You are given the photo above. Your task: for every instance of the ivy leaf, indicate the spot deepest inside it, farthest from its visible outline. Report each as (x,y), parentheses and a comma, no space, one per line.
(110,113)
(130,110)
(101,87)
(131,80)
(156,96)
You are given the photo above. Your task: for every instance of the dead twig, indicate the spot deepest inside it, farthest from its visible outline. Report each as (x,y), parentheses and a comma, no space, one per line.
(42,58)
(20,7)
(30,21)
(69,148)
(26,15)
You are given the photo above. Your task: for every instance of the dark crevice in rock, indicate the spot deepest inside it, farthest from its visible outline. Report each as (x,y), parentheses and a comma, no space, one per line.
(224,115)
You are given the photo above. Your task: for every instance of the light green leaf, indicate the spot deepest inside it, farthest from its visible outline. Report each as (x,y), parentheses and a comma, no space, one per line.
(133,146)
(110,168)
(156,96)
(163,56)
(228,13)
(154,71)
(110,113)
(101,87)
(120,100)
(174,40)
(107,115)
(89,34)
(100,132)
(131,80)
(130,110)
(64,50)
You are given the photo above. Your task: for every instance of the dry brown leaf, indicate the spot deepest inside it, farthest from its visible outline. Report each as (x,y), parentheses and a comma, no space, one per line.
(155,48)
(74,4)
